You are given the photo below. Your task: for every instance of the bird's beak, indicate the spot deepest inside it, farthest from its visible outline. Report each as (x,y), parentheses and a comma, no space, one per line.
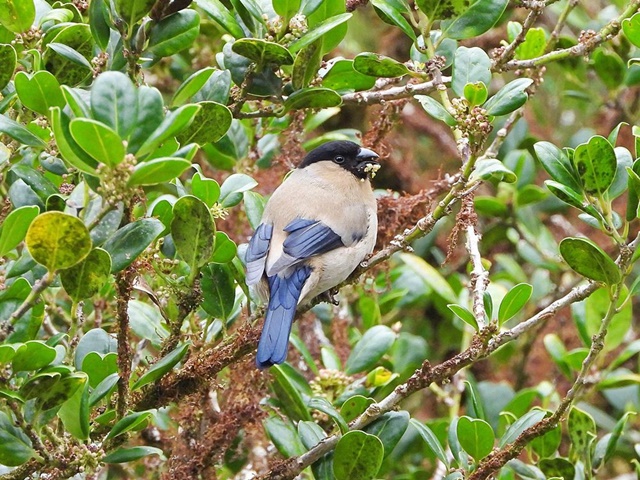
(368,162)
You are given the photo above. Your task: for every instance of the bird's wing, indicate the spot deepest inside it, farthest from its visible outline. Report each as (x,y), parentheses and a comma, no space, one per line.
(256,255)
(306,238)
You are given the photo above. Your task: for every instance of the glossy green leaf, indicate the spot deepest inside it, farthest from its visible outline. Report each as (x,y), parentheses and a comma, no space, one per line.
(209,125)
(223,17)
(492,169)
(17,15)
(15,446)
(310,433)
(284,436)
(99,366)
(57,240)
(39,91)
(571,197)
(161,367)
(547,445)
(158,170)
(97,140)
(262,52)
(95,340)
(354,406)
(86,278)
(67,70)
(233,187)
(225,249)
(69,149)
(389,428)
(557,467)
(192,85)
(289,396)
(476,437)
(377,65)
(193,231)
(435,109)
(306,65)
(206,189)
(172,124)
(103,388)
(20,133)
(465,315)
(8,59)
(588,259)
(388,12)
(70,54)
(597,305)
(525,421)
(54,390)
(582,430)
(323,405)
(114,102)
(470,65)
(432,441)
(476,19)
(14,227)
(509,98)
(357,455)
(535,42)
(218,290)
(596,164)
(372,346)
(133,10)
(74,413)
(174,33)
(441,10)
(129,454)
(312,97)
(513,301)
(476,93)
(127,243)
(128,423)
(631,29)
(98,23)
(33,356)
(319,31)
(342,77)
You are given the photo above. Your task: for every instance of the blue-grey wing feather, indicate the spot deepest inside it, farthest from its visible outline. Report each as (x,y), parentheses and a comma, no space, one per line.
(256,255)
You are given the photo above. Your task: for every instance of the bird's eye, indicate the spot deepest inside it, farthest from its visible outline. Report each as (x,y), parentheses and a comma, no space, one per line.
(339,159)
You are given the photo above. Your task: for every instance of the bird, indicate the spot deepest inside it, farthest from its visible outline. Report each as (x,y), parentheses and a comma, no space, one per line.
(317,227)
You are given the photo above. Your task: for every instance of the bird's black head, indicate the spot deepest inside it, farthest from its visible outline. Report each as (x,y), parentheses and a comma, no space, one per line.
(360,161)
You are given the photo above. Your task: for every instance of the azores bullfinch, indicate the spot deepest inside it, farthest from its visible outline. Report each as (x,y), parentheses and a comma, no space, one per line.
(316,229)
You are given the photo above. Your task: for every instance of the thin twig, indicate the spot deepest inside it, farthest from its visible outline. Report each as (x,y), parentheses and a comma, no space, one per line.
(479,276)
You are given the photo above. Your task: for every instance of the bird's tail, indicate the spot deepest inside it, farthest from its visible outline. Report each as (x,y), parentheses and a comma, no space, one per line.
(283,301)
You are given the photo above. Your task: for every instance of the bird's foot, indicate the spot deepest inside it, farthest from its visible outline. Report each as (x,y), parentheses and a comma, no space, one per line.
(330,296)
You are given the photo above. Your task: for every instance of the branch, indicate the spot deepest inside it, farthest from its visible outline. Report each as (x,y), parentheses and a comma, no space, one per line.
(508,51)
(479,276)
(124,285)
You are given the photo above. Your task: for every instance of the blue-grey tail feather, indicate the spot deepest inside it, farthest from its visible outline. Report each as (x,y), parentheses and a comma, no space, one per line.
(284,294)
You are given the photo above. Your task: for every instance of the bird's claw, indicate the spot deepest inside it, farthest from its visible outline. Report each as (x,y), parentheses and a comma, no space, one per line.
(330,296)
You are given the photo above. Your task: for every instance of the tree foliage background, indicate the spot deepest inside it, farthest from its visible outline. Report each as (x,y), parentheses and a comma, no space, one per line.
(491,334)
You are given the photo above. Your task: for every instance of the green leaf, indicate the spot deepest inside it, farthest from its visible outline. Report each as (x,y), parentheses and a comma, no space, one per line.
(233,187)
(509,98)
(589,260)
(631,29)
(324,406)
(312,97)
(205,189)
(288,394)
(465,315)
(15,446)
(318,31)
(470,65)
(161,367)
(581,429)
(597,305)
(20,133)
(476,93)
(98,141)
(571,197)
(372,346)
(441,10)
(95,340)
(70,54)
(39,91)
(596,164)
(557,467)
(172,124)
(513,301)
(128,423)
(54,390)
(547,445)
(8,59)
(209,125)
(99,366)
(535,42)
(69,149)
(17,16)
(193,231)
(158,170)
(98,23)
(174,33)
(609,67)
(192,85)
(127,243)
(377,65)
(14,227)
(476,437)
(133,10)
(492,169)
(86,278)
(354,406)
(310,433)
(218,290)
(33,356)
(284,436)
(389,428)
(262,52)
(225,249)
(114,102)
(527,420)
(103,388)
(476,20)
(430,276)
(435,109)
(129,454)
(357,455)
(343,78)
(432,441)
(388,12)
(66,69)
(223,17)
(57,240)
(74,413)
(306,65)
